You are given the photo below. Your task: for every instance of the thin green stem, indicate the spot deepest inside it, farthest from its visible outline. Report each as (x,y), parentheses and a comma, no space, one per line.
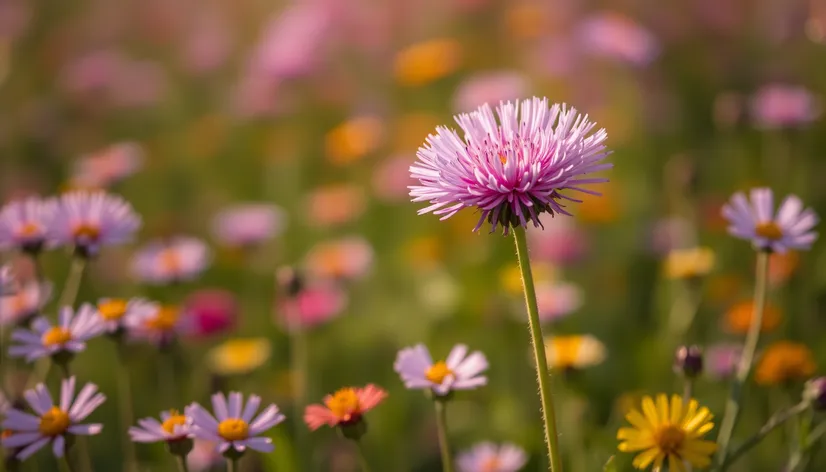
(65,372)
(298,369)
(83,454)
(64,464)
(543,375)
(70,289)
(125,406)
(688,389)
(365,467)
(746,360)
(180,459)
(232,465)
(774,422)
(441,428)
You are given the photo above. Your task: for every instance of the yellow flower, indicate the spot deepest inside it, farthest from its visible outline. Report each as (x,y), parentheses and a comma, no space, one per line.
(573,352)
(668,432)
(689,263)
(427,61)
(239,356)
(353,139)
(511,278)
(785,361)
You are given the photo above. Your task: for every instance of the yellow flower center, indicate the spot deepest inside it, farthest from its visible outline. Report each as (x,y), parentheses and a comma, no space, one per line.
(669,439)
(343,404)
(491,464)
(437,372)
(86,231)
(29,229)
(112,310)
(170,261)
(769,230)
(54,422)
(503,159)
(56,336)
(176,419)
(234,429)
(164,320)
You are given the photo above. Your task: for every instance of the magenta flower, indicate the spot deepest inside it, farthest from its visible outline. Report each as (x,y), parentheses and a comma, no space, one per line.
(312,306)
(783,106)
(755,220)
(24,224)
(209,311)
(721,360)
(248,224)
(489,457)
(618,37)
(513,170)
(89,220)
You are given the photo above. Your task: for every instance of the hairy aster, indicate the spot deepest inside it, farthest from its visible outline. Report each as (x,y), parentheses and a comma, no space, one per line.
(512,170)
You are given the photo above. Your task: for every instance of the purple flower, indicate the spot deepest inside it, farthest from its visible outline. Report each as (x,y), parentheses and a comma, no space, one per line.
(459,371)
(755,220)
(721,360)
(114,312)
(248,224)
(556,300)
(108,166)
(234,425)
(179,259)
(511,171)
(783,106)
(52,423)
(488,457)
(27,302)
(24,224)
(89,220)
(68,336)
(172,427)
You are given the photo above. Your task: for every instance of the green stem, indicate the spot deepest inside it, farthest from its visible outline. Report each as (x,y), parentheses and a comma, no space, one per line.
(746,360)
(125,407)
(365,467)
(64,369)
(774,422)
(64,464)
(542,373)
(181,461)
(232,464)
(70,289)
(298,371)
(441,428)
(688,390)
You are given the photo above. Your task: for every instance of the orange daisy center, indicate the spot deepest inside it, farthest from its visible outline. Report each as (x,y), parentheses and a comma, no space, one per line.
(437,372)
(86,231)
(769,230)
(56,336)
(669,439)
(54,422)
(164,320)
(234,429)
(112,310)
(175,419)
(29,230)
(344,404)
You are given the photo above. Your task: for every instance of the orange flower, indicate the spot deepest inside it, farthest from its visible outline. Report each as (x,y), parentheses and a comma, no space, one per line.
(344,408)
(785,361)
(599,209)
(354,139)
(427,61)
(335,204)
(782,266)
(739,316)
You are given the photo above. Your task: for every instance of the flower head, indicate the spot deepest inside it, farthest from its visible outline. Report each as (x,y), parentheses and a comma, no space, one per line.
(689,263)
(347,258)
(344,407)
(573,352)
(783,106)
(25,303)
(489,457)
(815,393)
(113,312)
(160,326)
(426,62)
(785,361)
(52,423)
(557,300)
(459,371)
(89,220)
(314,305)
(615,36)
(738,317)
(208,312)
(108,166)
(180,259)
(669,432)
(24,224)
(511,171)
(235,425)
(248,224)
(239,356)
(755,220)
(69,336)
(172,427)
(688,361)
(721,360)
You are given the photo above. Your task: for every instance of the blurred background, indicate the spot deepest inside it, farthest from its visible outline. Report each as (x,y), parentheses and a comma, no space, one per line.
(313,110)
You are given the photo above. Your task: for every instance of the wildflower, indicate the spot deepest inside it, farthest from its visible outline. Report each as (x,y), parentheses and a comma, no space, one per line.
(114,312)
(179,259)
(173,427)
(616,36)
(354,139)
(783,106)
(562,242)
(556,300)
(159,326)
(89,220)
(335,204)
(815,393)
(207,312)
(66,338)
(668,432)
(512,171)
(721,360)
(313,306)
(574,352)
(239,356)
(108,166)
(52,423)
(459,371)
(25,303)
(392,177)
(689,263)
(344,408)
(24,224)
(782,267)
(234,425)
(689,361)
(790,228)
(203,457)
(426,62)
(347,258)
(8,282)
(489,457)
(248,225)
(785,361)
(490,87)
(738,317)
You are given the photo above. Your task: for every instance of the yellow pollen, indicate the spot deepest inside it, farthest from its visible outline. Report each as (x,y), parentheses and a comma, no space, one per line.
(86,230)
(669,439)
(29,229)
(437,372)
(56,336)
(769,230)
(503,159)
(344,404)
(491,464)
(112,310)
(234,429)
(164,320)
(54,422)
(175,419)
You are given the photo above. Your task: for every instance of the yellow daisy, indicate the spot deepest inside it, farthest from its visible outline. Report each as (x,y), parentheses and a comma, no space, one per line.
(239,356)
(574,351)
(671,432)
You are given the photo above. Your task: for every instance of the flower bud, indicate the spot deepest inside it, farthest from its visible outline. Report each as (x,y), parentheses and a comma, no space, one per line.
(815,393)
(689,361)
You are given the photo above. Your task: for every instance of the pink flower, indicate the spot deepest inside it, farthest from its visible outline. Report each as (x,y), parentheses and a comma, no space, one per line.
(209,311)
(491,88)
(617,36)
(208,44)
(346,258)
(345,407)
(557,300)
(561,242)
(313,306)
(108,166)
(782,106)
(392,177)
(248,224)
